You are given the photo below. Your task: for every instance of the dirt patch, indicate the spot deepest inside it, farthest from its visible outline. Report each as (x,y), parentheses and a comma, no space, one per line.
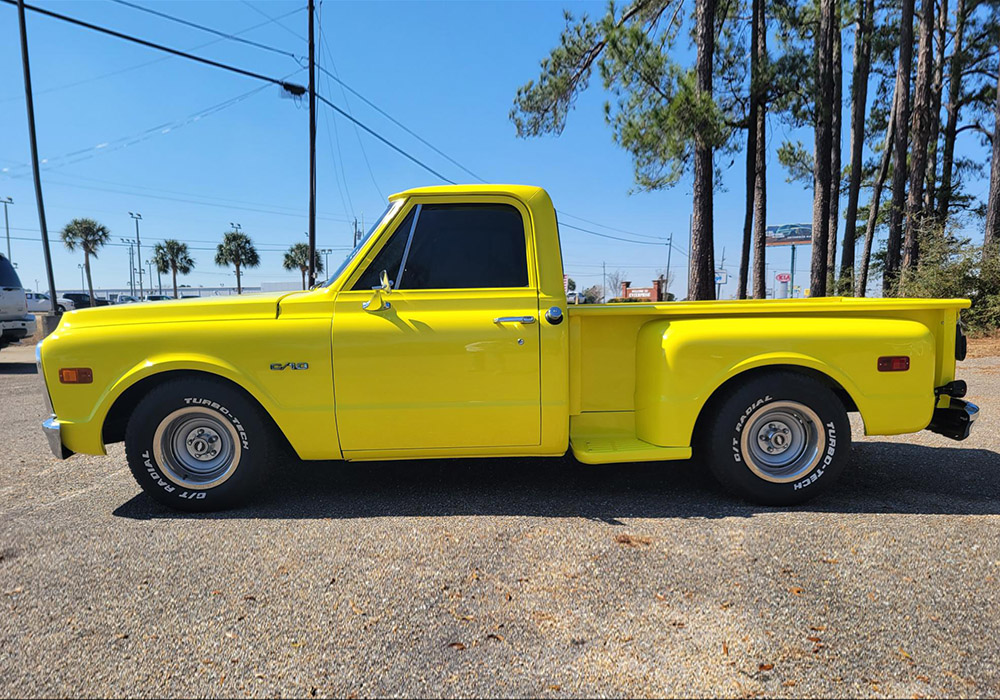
(985,346)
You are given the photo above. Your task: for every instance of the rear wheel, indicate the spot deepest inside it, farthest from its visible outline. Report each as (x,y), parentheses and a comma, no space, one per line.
(198,445)
(780,438)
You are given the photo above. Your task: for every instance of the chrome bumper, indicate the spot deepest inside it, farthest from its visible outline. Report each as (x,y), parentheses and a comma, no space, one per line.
(50,426)
(52,433)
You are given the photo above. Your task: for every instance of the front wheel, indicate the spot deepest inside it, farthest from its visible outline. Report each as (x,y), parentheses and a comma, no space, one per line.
(198,445)
(781,438)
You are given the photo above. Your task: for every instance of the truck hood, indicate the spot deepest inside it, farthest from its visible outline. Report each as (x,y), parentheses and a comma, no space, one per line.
(217,308)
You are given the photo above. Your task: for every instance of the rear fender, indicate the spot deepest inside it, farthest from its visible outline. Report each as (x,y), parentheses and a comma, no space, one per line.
(681,364)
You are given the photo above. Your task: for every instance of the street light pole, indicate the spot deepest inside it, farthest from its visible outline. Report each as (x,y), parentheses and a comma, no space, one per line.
(138,248)
(83,287)
(30,104)
(6,223)
(131,271)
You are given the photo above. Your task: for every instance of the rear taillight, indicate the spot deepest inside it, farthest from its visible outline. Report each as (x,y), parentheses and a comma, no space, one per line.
(76,375)
(893,363)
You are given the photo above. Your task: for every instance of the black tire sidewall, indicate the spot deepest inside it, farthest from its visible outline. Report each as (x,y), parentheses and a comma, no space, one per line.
(737,411)
(229,405)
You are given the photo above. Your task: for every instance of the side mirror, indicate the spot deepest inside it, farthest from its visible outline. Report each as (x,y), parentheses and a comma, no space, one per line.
(377,303)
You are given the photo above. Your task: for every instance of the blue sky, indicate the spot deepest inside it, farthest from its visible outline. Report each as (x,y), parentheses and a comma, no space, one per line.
(145,137)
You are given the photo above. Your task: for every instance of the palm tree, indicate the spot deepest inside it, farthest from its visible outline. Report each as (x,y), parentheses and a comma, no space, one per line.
(237,250)
(297,258)
(91,237)
(173,256)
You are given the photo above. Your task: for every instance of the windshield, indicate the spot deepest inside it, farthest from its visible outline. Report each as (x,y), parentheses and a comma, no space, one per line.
(389,212)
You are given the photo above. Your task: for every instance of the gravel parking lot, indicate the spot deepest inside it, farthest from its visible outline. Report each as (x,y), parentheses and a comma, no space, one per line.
(502,577)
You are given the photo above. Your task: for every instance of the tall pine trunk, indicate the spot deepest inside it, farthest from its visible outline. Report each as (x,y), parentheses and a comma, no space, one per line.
(951,126)
(701,282)
(992,236)
(836,116)
(760,183)
(883,172)
(859,102)
(904,68)
(921,134)
(751,179)
(821,158)
(937,86)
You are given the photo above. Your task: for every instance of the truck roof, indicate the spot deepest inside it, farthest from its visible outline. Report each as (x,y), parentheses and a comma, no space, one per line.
(522,192)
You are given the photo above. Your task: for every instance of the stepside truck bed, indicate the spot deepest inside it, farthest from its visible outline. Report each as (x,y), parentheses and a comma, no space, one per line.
(640,374)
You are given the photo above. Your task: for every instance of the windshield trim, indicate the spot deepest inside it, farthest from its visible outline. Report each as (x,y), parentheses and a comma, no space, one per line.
(384,220)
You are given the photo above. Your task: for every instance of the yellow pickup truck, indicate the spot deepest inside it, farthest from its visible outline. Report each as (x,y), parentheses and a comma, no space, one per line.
(446,333)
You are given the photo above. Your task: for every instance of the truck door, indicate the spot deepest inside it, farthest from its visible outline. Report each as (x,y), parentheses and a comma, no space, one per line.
(449,357)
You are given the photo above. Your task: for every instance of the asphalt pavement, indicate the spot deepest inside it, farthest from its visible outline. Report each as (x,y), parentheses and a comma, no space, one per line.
(525,577)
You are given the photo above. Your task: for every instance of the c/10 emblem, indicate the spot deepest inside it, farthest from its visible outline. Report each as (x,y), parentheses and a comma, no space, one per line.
(278,366)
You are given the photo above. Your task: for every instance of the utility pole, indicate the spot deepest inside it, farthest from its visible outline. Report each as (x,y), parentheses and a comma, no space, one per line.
(312,146)
(791,278)
(30,104)
(670,248)
(6,223)
(722,265)
(138,249)
(355,230)
(131,272)
(604,282)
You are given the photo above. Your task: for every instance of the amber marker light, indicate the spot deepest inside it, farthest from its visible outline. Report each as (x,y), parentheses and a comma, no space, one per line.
(893,363)
(76,375)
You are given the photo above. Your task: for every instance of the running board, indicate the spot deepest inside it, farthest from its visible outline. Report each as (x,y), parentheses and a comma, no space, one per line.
(609,449)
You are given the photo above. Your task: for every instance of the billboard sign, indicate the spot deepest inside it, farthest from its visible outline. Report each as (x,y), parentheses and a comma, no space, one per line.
(721,277)
(783,277)
(789,234)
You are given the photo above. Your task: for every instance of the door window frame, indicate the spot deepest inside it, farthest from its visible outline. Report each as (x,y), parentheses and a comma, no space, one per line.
(415,204)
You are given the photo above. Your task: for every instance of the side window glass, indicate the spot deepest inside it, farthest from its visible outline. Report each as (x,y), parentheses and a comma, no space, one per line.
(466,246)
(389,257)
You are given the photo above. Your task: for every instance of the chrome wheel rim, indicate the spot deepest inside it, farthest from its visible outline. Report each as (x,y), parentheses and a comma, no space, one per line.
(783,442)
(196,448)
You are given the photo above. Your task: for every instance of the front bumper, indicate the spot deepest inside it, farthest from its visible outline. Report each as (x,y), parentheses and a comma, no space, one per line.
(54,435)
(50,426)
(956,420)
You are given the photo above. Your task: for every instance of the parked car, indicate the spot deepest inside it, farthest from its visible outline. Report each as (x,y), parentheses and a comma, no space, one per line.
(446,333)
(126,299)
(82,300)
(38,302)
(156,297)
(575,298)
(15,321)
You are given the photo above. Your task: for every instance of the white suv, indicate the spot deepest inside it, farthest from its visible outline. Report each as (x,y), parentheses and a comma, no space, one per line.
(38,303)
(15,321)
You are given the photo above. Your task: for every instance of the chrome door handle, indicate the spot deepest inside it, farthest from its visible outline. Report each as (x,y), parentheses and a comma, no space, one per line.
(514,319)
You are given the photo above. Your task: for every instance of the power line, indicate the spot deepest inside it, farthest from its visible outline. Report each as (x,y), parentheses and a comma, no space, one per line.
(275,19)
(605,235)
(347,103)
(418,137)
(379,136)
(110,74)
(216,32)
(292,88)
